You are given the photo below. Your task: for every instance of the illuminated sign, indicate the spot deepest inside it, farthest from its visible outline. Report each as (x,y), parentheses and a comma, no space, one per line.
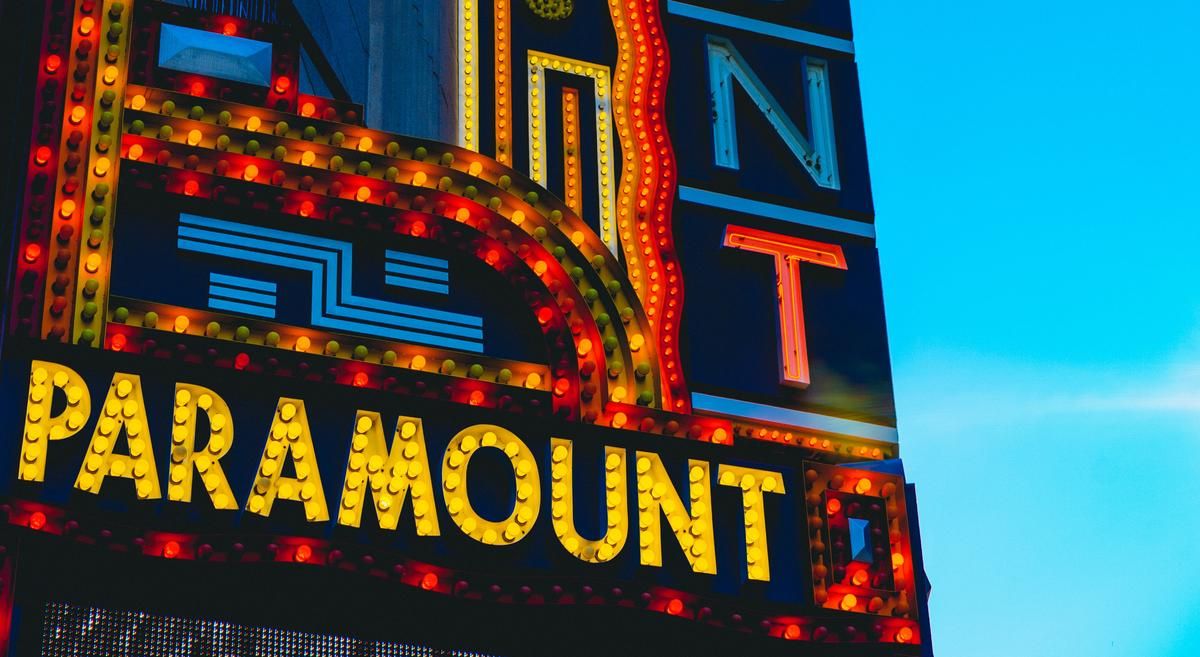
(472,365)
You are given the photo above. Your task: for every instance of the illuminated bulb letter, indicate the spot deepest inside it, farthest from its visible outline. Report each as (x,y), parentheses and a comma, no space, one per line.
(789,253)
(123,412)
(190,401)
(693,526)
(753,484)
(289,435)
(40,425)
(388,476)
(563,505)
(458,455)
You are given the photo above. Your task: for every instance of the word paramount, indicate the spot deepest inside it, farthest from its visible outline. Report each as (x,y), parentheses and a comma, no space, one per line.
(382,474)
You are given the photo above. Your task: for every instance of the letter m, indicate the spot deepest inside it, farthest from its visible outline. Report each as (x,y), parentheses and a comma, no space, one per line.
(819,157)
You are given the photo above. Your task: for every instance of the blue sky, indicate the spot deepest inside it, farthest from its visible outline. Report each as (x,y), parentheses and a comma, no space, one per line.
(1036,168)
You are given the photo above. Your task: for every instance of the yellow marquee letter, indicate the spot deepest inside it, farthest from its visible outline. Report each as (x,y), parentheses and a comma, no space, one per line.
(124,411)
(753,484)
(190,401)
(40,426)
(458,455)
(693,529)
(390,477)
(563,505)
(289,435)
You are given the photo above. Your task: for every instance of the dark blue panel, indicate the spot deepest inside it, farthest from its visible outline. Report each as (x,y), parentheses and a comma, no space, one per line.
(146,239)
(768,170)
(731,326)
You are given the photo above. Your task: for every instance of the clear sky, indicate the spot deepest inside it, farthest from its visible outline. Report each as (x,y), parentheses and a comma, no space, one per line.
(1036,168)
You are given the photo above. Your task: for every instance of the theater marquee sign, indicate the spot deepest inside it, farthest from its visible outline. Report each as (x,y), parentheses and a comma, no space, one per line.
(244,330)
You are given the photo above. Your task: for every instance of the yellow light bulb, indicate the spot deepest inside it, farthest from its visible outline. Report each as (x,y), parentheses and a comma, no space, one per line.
(253,124)
(102,166)
(250,173)
(93,262)
(307,158)
(181,323)
(363,194)
(138,102)
(365,144)
(194,137)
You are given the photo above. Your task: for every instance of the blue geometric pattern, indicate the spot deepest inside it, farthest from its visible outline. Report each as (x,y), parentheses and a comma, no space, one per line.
(417,272)
(330,263)
(241,295)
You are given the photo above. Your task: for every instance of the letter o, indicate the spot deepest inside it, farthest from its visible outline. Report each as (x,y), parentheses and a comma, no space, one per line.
(528,500)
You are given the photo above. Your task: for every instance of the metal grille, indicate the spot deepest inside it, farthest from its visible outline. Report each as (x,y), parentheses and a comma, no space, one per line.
(75,631)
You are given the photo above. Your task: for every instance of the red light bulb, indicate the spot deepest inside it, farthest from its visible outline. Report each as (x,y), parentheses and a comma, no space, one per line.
(37,520)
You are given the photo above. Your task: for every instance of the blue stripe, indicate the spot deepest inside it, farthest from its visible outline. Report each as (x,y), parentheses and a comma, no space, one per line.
(775,211)
(245,309)
(296,243)
(406,336)
(415,284)
(760,27)
(354,313)
(393,268)
(792,417)
(417,259)
(318,318)
(238,281)
(241,295)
